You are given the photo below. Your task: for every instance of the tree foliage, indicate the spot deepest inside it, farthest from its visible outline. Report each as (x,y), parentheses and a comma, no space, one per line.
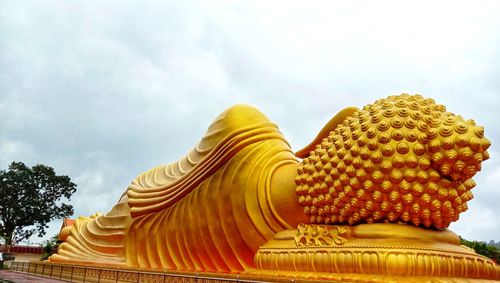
(49,247)
(482,248)
(30,198)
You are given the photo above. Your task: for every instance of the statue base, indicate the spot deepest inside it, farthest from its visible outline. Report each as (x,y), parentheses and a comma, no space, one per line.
(373,252)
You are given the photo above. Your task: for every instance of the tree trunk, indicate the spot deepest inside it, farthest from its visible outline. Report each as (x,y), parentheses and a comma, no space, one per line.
(8,237)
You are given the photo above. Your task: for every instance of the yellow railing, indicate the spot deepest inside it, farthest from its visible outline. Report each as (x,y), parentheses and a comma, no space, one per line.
(93,274)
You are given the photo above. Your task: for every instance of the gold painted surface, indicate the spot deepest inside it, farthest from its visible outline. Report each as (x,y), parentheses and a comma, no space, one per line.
(401,159)
(241,201)
(75,273)
(96,239)
(209,211)
(379,249)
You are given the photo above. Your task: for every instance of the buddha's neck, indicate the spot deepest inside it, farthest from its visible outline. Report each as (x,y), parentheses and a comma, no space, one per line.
(284,199)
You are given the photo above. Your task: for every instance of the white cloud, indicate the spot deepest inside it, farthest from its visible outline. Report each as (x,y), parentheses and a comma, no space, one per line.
(480,221)
(104,91)
(9,150)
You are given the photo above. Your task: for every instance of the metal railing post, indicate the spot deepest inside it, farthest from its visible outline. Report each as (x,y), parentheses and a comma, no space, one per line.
(145,275)
(71,276)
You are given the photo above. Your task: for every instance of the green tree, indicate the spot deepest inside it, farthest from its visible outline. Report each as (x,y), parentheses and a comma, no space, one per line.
(30,198)
(483,249)
(49,247)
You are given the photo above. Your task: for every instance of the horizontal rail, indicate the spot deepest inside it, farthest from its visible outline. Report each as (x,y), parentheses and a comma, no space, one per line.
(93,274)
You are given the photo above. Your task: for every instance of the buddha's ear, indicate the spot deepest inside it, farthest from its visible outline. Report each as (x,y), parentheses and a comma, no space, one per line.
(330,126)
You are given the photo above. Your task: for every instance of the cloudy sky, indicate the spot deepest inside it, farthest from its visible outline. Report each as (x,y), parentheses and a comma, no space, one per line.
(104,90)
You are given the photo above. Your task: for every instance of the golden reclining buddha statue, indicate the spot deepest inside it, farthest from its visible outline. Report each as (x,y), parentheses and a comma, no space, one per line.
(372,195)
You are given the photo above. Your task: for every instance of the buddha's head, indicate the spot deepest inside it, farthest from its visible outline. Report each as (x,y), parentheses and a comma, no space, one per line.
(400,159)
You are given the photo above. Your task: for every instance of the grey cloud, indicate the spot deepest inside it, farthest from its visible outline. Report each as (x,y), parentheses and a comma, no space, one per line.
(104,91)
